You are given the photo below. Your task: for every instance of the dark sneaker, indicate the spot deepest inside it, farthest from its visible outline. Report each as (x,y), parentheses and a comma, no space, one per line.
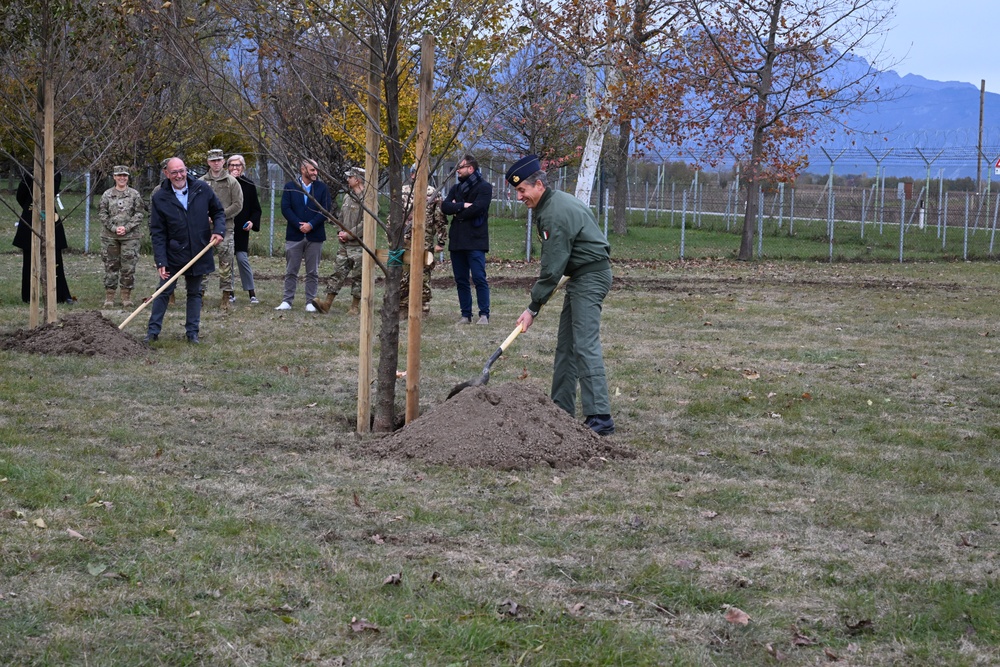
(600,424)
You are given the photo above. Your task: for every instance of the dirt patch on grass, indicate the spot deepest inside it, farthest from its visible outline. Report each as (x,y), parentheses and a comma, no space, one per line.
(87,333)
(508,427)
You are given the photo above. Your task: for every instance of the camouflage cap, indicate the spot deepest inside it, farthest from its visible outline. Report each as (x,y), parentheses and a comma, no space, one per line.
(120,169)
(215,154)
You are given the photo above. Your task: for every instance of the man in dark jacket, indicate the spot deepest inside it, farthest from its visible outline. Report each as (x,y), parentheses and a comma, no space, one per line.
(305,204)
(185,216)
(468,202)
(248,219)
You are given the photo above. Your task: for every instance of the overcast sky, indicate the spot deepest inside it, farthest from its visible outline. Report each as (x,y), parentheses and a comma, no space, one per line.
(949,40)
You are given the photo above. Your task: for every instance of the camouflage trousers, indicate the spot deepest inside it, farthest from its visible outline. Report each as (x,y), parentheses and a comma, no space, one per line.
(224,255)
(346,266)
(425,292)
(120,258)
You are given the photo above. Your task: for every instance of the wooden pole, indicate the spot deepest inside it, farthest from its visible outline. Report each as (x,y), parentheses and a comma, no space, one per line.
(979,145)
(372,136)
(49,148)
(418,198)
(37,178)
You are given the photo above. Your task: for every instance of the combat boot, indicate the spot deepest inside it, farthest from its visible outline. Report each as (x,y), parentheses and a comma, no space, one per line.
(226,297)
(109,298)
(127,298)
(323,305)
(355,302)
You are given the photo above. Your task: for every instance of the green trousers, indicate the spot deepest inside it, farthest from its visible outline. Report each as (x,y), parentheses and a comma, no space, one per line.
(579,357)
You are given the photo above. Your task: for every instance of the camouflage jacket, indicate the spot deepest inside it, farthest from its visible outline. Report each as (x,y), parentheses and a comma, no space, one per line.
(121,209)
(229,192)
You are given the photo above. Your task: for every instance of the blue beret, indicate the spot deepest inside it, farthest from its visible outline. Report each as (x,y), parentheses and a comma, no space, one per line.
(523,168)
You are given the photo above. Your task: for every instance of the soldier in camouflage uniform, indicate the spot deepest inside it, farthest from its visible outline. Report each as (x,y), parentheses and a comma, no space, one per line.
(347,265)
(121,211)
(229,192)
(435,239)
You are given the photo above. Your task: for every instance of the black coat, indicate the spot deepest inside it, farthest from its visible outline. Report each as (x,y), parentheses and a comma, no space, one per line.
(469,227)
(177,234)
(25,199)
(251,212)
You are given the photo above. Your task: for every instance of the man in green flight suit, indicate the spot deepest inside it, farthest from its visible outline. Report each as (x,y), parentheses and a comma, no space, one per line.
(572,245)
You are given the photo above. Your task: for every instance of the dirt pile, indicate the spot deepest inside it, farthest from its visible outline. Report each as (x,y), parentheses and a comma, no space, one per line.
(509,427)
(86,333)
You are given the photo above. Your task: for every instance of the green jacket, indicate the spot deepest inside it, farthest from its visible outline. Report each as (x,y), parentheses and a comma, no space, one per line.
(121,209)
(572,243)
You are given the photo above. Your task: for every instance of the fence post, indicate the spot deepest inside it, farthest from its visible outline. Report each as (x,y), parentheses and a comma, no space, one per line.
(684,205)
(270,246)
(965,231)
(86,216)
(902,223)
(760,222)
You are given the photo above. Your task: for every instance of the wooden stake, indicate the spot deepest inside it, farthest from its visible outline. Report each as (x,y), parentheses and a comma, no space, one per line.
(418,203)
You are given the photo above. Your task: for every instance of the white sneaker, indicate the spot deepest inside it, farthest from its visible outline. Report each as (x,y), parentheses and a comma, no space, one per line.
(311,308)
(284,306)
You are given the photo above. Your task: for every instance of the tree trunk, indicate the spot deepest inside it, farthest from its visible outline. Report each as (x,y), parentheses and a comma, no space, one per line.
(620,224)
(388,360)
(595,137)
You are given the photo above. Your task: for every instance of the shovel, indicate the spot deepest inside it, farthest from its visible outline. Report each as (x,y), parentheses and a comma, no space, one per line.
(485,376)
(164,286)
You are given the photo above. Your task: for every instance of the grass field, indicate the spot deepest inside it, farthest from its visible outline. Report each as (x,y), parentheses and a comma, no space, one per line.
(818,448)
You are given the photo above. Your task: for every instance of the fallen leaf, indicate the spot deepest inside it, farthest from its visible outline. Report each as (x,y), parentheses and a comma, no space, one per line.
(737,616)
(775,653)
(39,523)
(799,639)
(362,624)
(864,625)
(394,579)
(509,607)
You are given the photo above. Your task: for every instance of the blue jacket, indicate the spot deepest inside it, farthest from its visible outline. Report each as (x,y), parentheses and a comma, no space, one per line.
(179,235)
(469,227)
(296,208)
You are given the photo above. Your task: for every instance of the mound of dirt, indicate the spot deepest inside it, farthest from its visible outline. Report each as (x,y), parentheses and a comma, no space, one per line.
(508,427)
(86,333)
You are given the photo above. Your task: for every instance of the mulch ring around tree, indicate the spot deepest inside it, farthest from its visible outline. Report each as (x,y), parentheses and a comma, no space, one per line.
(508,427)
(86,333)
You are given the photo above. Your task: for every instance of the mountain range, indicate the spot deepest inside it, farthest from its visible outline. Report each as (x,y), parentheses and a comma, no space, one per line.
(922,121)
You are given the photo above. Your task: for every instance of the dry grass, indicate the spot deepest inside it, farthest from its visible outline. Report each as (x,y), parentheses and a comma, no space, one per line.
(818,449)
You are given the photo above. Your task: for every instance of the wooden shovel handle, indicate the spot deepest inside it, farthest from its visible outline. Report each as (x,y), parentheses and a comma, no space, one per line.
(164,286)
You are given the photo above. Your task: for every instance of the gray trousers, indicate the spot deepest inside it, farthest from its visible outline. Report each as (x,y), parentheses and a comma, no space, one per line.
(246,273)
(579,356)
(295,252)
